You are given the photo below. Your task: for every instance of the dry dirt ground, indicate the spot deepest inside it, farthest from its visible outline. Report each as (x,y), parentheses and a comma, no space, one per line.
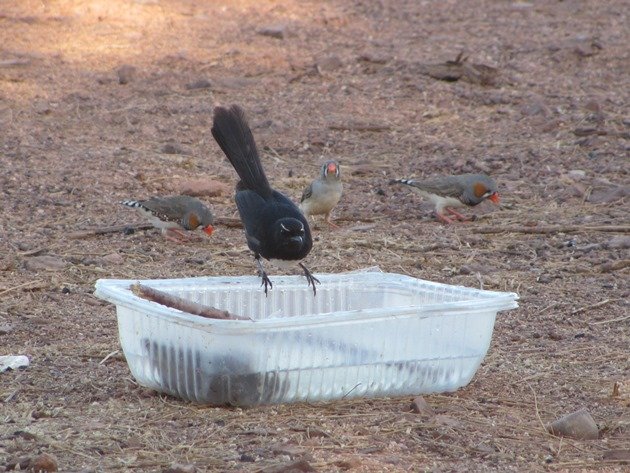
(336,79)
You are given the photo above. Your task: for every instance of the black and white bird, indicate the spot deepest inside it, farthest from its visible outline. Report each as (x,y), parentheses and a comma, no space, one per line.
(174,214)
(449,192)
(275,228)
(322,195)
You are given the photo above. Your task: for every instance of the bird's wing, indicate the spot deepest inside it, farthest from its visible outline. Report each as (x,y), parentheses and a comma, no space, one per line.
(169,210)
(445,187)
(308,192)
(251,208)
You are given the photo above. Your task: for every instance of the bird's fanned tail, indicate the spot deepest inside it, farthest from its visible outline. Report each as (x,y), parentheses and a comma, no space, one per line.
(232,133)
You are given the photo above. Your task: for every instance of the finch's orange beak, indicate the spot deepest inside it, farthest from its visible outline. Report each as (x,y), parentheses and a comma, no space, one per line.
(208,230)
(495,198)
(332,168)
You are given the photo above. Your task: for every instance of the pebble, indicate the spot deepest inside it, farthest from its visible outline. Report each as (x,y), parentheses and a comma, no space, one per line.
(45,263)
(203,187)
(125,74)
(329,64)
(43,463)
(173,148)
(578,425)
(113,258)
(420,406)
(199,84)
(180,468)
(273,31)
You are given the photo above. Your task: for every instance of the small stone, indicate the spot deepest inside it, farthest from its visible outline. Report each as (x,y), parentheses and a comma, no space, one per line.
(6,328)
(420,406)
(199,84)
(44,463)
(555,336)
(180,468)
(114,259)
(578,425)
(246,457)
(447,421)
(273,31)
(125,74)
(349,463)
(203,187)
(292,467)
(619,242)
(292,451)
(362,170)
(45,263)
(606,196)
(329,64)
(173,148)
(534,108)
(577,174)
(617,455)
(544,279)
(593,106)
(129,231)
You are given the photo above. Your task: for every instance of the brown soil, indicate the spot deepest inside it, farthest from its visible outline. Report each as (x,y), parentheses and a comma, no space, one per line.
(344,80)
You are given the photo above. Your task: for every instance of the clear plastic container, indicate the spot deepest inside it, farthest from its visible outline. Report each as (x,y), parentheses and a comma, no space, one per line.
(364,334)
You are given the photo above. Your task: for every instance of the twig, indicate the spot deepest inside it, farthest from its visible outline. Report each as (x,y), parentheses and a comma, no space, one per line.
(115,352)
(19,286)
(618,319)
(536,407)
(359,127)
(593,306)
(111,229)
(556,229)
(229,222)
(178,303)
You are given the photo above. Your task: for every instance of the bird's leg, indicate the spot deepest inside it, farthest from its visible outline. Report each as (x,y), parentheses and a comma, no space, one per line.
(442,218)
(261,272)
(329,222)
(173,234)
(310,278)
(457,215)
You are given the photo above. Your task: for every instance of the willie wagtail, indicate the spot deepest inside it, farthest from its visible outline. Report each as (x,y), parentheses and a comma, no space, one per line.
(275,227)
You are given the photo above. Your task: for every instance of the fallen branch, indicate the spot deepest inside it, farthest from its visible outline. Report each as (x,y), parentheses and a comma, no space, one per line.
(29,284)
(593,306)
(224,221)
(614,265)
(106,230)
(229,222)
(178,303)
(354,126)
(610,321)
(557,229)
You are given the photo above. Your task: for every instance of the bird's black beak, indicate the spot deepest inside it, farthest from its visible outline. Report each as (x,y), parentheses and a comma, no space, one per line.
(297,240)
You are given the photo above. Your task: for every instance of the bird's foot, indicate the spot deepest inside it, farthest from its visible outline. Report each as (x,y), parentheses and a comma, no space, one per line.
(458,216)
(333,226)
(443,218)
(266,282)
(310,278)
(263,274)
(177,236)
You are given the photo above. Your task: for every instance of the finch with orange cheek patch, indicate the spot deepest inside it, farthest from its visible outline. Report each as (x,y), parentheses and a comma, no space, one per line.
(174,214)
(323,194)
(447,192)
